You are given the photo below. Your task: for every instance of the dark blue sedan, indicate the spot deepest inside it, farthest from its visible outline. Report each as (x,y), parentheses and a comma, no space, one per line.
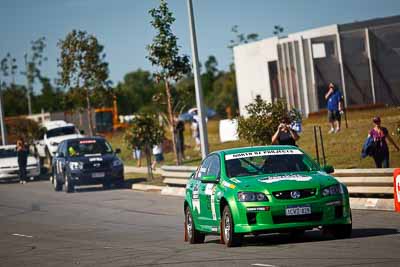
(86,161)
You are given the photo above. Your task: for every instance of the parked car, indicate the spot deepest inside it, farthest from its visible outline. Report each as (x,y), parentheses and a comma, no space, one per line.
(54,133)
(86,161)
(255,190)
(9,164)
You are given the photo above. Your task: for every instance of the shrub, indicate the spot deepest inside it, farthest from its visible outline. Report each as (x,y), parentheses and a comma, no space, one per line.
(262,120)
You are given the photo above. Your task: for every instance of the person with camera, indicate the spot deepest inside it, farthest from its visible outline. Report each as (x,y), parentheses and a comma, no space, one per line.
(285,135)
(334,106)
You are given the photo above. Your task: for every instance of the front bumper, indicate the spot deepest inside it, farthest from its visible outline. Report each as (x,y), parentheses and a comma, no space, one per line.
(324,211)
(89,177)
(14,173)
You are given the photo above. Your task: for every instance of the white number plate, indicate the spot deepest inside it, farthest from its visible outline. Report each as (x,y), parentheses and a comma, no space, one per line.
(98,175)
(297,210)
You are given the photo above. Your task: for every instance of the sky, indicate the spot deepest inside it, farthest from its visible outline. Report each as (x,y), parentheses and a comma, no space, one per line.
(123,26)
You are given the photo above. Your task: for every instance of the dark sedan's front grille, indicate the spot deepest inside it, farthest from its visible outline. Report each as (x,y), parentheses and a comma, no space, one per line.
(301,193)
(297,218)
(96,165)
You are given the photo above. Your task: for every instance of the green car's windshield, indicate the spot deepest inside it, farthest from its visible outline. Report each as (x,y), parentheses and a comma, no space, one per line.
(249,164)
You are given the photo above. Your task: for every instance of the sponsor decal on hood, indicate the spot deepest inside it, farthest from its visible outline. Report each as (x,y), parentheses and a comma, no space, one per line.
(273,179)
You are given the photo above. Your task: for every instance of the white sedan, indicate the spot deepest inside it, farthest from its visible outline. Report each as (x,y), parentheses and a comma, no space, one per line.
(9,164)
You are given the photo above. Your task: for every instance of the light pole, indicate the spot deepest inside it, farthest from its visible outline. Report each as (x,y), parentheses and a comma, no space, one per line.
(197,83)
(3,125)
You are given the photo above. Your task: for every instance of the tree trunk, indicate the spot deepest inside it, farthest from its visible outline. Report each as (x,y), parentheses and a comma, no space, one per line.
(89,113)
(148,161)
(171,122)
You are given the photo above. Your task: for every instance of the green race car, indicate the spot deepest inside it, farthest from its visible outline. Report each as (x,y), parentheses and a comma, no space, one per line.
(264,189)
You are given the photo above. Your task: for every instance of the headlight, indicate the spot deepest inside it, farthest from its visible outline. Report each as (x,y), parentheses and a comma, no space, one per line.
(75,166)
(117,163)
(332,190)
(251,197)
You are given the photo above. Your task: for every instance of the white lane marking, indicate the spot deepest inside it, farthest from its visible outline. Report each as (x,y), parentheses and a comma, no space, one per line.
(28,236)
(265,265)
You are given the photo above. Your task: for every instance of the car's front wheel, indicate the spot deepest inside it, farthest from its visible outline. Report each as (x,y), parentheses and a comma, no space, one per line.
(68,185)
(230,238)
(191,234)
(56,184)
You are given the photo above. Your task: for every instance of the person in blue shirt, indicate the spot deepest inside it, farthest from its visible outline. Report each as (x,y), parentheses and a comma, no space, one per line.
(334,106)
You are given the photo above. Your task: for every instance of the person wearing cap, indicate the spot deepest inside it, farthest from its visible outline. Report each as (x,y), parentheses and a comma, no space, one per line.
(285,135)
(334,106)
(380,148)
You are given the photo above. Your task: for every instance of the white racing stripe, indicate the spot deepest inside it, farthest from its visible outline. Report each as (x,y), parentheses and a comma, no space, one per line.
(28,236)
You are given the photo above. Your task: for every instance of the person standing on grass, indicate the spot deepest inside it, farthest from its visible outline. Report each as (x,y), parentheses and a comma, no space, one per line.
(158,156)
(22,155)
(334,106)
(380,149)
(180,139)
(285,135)
(137,155)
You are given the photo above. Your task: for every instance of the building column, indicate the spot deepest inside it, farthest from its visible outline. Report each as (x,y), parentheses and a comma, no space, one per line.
(304,78)
(279,70)
(289,73)
(371,67)
(299,105)
(285,72)
(312,68)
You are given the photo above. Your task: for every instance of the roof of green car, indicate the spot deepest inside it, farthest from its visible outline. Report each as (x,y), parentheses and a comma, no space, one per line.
(254,148)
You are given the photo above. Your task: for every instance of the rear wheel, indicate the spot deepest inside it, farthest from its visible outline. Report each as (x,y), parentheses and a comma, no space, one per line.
(231,239)
(68,185)
(191,234)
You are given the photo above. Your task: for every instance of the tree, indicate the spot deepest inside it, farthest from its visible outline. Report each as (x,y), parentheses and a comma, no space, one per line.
(224,94)
(144,132)
(263,118)
(164,53)
(241,38)
(136,91)
(278,29)
(83,67)
(32,63)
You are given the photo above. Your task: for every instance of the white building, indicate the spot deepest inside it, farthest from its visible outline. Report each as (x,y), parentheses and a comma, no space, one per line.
(361,58)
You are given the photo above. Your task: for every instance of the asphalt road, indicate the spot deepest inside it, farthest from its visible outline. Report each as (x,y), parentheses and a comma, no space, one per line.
(93,227)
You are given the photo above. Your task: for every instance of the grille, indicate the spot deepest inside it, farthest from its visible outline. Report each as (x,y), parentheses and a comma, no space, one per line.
(304,193)
(299,218)
(95,165)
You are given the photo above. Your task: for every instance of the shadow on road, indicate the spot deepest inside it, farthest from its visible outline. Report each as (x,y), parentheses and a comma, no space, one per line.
(309,236)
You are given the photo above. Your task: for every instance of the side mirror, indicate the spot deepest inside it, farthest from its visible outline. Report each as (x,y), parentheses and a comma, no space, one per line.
(117,151)
(328,169)
(82,132)
(209,179)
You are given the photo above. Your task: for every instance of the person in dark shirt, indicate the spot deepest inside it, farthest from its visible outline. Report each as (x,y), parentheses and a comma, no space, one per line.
(380,148)
(284,134)
(334,106)
(180,139)
(22,155)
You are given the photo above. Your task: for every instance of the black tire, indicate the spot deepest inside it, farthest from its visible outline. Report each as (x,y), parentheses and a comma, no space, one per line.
(68,185)
(231,239)
(193,236)
(106,185)
(48,160)
(297,234)
(57,185)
